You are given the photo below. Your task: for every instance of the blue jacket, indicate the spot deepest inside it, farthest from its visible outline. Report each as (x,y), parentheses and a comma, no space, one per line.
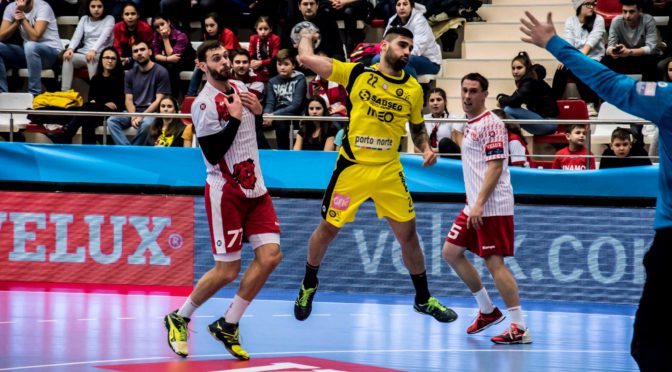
(649,100)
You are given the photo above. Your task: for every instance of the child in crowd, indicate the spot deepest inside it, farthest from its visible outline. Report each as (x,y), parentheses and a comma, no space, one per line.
(213,29)
(170,132)
(518,154)
(285,95)
(128,31)
(264,46)
(621,147)
(92,35)
(316,135)
(568,158)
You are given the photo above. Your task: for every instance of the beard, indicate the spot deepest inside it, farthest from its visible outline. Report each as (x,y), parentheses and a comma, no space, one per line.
(218,76)
(143,63)
(396,64)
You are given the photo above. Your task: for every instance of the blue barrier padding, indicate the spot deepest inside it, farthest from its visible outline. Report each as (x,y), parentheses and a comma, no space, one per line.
(306,170)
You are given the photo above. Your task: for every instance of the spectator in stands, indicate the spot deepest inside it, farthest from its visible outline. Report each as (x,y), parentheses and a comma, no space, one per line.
(444,138)
(573,157)
(621,147)
(106,94)
(585,31)
(130,30)
(285,95)
(144,86)
(426,54)
(213,29)
(349,11)
(532,91)
(264,46)
(92,35)
(172,50)
(170,132)
(316,135)
(331,43)
(633,41)
(240,66)
(333,94)
(518,154)
(35,21)
(116,7)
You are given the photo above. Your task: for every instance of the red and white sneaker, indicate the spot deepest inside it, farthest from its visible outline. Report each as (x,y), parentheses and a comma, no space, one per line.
(513,335)
(484,321)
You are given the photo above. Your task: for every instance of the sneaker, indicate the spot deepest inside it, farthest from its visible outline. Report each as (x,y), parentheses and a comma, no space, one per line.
(304,302)
(513,335)
(484,321)
(434,308)
(178,333)
(229,335)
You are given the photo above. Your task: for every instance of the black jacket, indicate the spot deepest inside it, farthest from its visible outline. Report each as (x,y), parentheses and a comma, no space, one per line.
(535,93)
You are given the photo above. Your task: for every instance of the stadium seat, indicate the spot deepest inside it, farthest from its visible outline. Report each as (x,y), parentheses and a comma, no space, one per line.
(15,101)
(609,9)
(570,109)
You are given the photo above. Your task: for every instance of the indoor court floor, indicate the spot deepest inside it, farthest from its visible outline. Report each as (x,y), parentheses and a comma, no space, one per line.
(75,330)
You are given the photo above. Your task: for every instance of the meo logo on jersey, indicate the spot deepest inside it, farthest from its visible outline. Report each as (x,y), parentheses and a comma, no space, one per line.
(494,148)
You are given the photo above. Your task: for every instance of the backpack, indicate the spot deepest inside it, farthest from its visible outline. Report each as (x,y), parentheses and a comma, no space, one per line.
(65,99)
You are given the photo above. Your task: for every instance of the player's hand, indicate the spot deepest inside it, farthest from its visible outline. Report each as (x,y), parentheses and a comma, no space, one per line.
(428,158)
(537,33)
(475,218)
(252,103)
(234,105)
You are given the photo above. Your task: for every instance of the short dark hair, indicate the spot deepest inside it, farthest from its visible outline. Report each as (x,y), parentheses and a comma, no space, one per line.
(401,31)
(207,45)
(570,128)
(638,3)
(285,55)
(622,134)
(238,52)
(140,41)
(475,76)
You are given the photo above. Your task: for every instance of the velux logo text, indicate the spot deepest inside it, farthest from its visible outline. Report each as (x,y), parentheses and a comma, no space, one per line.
(27,225)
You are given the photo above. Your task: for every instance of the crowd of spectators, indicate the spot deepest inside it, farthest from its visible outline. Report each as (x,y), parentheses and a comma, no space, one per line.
(152,42)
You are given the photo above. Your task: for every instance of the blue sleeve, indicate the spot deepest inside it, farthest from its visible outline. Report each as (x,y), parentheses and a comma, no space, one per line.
(647,100)
(269,106)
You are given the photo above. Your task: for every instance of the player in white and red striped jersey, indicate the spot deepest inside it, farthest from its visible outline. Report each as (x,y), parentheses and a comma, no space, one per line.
(236,201)
(485,225)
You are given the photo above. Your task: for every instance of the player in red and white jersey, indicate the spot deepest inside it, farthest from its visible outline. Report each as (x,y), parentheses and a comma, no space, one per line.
(485,225)
(236,201)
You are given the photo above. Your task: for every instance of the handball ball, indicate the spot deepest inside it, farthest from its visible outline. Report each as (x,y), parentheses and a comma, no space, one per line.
(296,33)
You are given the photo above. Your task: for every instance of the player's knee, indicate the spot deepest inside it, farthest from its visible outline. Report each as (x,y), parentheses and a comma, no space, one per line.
(226,273)
(270,259)
(451,253)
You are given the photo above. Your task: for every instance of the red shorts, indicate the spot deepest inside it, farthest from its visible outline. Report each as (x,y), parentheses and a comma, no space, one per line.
(233,218)
(494,237)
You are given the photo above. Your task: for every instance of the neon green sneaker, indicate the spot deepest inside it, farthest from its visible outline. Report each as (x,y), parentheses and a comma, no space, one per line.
(178,333)
(434,308)
(304,302)
(229,335)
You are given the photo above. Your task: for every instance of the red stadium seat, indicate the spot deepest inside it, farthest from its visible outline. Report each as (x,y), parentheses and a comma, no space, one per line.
(186,109)
(608,9)
(570,109)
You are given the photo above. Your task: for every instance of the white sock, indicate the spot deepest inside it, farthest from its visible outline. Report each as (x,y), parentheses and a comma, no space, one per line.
(236,310)
(485,304)
(188,308)
(516,316)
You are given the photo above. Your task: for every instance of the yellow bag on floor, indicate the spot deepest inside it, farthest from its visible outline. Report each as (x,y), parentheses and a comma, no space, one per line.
(64,99)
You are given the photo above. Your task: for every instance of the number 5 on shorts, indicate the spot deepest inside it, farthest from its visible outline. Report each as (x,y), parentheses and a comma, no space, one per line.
(237,235)
(454,231)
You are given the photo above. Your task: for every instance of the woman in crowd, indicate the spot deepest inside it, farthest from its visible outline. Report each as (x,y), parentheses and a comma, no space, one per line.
(170,132)
(444,138)
(533,92)
(92,35)
(106,95)
(172,50)
(316,135)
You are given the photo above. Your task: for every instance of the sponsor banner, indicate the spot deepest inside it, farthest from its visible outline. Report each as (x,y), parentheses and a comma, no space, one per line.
(282,364)
(96,238)
(586,254)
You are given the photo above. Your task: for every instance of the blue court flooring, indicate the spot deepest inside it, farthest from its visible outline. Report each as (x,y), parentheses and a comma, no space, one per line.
(78,331)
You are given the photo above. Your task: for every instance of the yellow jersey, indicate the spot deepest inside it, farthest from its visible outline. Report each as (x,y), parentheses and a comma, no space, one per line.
(379,106)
